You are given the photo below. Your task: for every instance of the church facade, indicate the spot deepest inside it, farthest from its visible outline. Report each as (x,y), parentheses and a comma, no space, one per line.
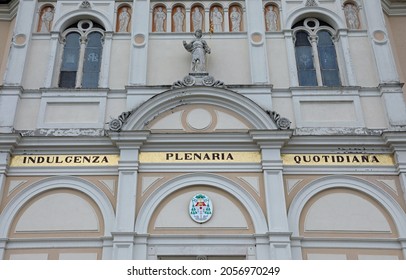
(202,130)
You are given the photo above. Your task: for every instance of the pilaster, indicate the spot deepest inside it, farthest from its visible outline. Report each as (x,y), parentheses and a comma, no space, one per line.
(140,247)
(105,69)
(385,62)
(20,43)
(393,98)
(139,43)
(3,243)
(271,143)
(380,43)
(290,49)
(7,144)
(343,47)
(257,45)
(52,58)
(397,141)
(9,98)
(129,144)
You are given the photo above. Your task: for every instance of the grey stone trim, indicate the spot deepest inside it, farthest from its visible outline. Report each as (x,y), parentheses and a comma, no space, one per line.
(281,122)
(199,79)
(117,124)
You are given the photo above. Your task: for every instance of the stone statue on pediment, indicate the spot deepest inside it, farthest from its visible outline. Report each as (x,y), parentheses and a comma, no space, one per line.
(198,48)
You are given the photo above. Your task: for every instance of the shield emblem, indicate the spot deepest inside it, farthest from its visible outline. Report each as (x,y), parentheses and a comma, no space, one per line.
(200,208)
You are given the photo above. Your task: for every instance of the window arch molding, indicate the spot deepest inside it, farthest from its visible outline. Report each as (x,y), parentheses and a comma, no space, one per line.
(63,23)
(335,21)
(319,12)
(316,53)
(70,18)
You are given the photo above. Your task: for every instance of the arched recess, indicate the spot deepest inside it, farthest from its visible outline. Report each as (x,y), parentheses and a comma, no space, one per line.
(223,98)
(59,212)
(387,202)
(19,201)
(156,198)
(229,215)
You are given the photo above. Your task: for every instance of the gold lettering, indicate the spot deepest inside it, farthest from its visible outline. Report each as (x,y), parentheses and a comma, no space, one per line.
(64,160)
(105,160)
(341,159)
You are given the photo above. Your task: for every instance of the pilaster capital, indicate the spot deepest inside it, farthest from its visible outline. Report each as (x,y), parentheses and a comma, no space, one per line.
(8,142)
(129,139)
(271,139)
(396,140)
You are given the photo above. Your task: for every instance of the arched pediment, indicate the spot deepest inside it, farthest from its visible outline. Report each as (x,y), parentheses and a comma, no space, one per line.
(201,109)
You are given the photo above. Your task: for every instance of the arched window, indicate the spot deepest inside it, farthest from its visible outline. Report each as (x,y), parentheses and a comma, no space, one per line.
(82,53)
(316,57)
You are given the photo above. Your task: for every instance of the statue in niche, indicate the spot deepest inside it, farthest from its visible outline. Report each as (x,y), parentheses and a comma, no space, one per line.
(271,19)
(198,48)
(197,19)
(159,19)
(235,18)
(217,20)
(46,19)
(124,20)
(178,19)
(351,16)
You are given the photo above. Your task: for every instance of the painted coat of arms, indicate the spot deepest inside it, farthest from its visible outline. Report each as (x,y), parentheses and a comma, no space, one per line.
(200,208)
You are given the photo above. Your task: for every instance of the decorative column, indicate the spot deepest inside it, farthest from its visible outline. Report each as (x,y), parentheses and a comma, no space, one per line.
(313,41)
(188,27)
(169,20)
(290,49)
(390,87)
(7,144)
(53,54)
(343,47)
(226,20)
(106,55)
(79,76)
(129,144)
(207,20)
(139,43)
(257,46)
(271,143)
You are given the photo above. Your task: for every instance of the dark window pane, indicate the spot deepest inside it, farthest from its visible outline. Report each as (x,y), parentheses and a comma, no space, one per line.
(324,38)
(331,78)
(67,79)
(307,78)
(70,61)
(71,51)
(328,59)
(302,39)
(91,66)
(304,60)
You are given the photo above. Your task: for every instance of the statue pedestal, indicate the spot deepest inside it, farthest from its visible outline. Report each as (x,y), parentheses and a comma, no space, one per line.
(198,79)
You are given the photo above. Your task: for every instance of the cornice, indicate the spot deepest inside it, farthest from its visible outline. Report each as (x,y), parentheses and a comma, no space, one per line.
(394,8)
(8,11)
